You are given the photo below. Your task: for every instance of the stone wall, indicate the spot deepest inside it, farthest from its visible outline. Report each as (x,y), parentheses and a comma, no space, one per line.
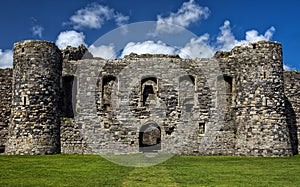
(191,121)
(72,141)
(5,104)
(238,103)
(292,104)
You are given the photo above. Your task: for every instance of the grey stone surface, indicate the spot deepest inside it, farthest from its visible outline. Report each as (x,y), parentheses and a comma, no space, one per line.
(240,102)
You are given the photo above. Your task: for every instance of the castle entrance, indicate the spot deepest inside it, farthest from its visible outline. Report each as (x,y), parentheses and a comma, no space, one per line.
(150,138)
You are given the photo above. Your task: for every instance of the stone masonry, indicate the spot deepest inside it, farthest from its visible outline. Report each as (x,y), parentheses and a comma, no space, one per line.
(240,102)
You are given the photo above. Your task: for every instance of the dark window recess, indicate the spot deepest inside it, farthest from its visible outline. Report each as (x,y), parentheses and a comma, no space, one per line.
(68,96)
(228,82)
(201,128)
(24,100)
(170,130)
(147,90)
(228,87)
(2,148)
(265,75)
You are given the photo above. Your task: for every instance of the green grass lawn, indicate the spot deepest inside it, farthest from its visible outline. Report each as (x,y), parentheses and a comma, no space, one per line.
(93,170)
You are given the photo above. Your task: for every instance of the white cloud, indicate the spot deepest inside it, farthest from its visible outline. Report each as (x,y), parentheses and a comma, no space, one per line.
(197,47)
(188,13)
(37,30)
(71,38)
(94,16)
(226,40)
(287,68)
(201,47)
(150,47)
(120,19)
(253,35)
(103,51)
(6,58)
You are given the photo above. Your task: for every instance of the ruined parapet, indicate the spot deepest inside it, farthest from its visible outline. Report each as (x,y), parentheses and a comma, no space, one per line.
(262,128)
(35,122)
(292,105)
(5,104)
(76,53)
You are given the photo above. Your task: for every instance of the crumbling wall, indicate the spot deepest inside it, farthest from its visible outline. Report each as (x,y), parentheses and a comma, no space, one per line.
(5,105)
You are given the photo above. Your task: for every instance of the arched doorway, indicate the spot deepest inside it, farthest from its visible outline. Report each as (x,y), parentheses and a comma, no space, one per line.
(150,138)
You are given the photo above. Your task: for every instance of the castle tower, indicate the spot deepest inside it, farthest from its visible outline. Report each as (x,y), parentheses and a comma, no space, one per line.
(35,120)
(261,121)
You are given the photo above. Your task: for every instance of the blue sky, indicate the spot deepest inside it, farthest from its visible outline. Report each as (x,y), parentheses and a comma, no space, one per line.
(218,25)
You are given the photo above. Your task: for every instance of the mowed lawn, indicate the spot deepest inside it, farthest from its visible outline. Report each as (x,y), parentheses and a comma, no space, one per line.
(93,170)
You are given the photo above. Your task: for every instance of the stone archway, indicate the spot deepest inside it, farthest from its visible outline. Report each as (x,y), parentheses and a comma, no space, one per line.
(150,138)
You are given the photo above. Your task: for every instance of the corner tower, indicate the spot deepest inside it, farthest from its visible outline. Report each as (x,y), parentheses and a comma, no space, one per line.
(35,119)
(261,121)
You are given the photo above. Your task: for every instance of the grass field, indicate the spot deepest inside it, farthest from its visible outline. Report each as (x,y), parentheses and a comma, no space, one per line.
(93,170)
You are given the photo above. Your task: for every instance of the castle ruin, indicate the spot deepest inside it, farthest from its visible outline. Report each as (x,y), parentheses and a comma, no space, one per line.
(65,101)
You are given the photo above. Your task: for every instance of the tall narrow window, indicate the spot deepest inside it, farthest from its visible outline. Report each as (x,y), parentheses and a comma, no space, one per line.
(201,128)
(107,88)
(149,90)
(224,88)
(186,92)
(25,100)
(68,93)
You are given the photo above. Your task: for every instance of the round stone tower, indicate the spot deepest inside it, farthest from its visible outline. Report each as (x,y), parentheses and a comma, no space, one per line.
(261,121)
(35,120)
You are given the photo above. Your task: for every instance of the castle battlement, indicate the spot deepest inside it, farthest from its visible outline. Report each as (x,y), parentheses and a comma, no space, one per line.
(240,102)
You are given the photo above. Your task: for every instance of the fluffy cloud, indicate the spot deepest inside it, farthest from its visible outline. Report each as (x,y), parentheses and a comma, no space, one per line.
(6,58)
(103,51)
(197,47)
(94,16)
(150,47)
(226,40)
(188,13)
(202,47)
(71,38)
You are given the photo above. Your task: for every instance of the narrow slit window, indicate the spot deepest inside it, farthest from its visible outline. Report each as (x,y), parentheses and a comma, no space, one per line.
(201,128)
